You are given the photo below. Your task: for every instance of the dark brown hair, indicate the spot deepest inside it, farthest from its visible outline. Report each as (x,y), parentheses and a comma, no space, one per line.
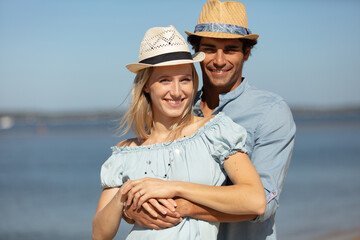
(195,43)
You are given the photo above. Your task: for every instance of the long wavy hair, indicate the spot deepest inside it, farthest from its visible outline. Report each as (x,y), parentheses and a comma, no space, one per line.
(139,116)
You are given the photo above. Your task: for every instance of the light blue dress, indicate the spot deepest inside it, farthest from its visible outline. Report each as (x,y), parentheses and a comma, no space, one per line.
(198,158)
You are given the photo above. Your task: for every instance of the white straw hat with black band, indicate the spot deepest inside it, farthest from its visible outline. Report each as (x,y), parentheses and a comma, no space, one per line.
(163,46)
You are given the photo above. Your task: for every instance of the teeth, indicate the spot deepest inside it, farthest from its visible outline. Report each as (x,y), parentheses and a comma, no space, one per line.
(218,71)
(174,102)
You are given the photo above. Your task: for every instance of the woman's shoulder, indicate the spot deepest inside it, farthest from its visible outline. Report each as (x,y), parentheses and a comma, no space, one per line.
(201,121)
(131,142)
(212,119)
(223,123)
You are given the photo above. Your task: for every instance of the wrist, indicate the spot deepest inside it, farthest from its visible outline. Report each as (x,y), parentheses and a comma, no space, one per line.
(183,207)
(121,200)
(178,189)
(125,216)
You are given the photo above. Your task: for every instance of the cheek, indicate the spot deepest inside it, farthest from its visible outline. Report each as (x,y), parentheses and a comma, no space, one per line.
(189,89)
(206,61)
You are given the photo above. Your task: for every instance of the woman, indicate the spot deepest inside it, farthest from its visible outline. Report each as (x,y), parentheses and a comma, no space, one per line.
(175,154)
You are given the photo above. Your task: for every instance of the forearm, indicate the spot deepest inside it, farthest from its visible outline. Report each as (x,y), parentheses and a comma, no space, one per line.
(106,221)
(236,199)
(192,210)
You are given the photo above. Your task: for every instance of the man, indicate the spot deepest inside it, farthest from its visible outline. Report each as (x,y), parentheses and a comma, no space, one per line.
(222,33)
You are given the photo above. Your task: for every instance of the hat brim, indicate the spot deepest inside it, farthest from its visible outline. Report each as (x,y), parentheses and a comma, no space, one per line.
(223,35)
(136,67)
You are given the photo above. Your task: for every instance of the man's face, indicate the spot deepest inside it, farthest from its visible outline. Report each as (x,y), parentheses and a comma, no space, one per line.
(222,66)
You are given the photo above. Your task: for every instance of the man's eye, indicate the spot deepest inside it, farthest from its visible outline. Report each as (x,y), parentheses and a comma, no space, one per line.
(208,50)
(232,50)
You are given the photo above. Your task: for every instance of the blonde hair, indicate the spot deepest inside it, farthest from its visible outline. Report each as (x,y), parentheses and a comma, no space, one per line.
(139,117)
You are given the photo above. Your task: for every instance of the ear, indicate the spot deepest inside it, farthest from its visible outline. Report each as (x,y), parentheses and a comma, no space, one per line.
(247,54)
(146,88)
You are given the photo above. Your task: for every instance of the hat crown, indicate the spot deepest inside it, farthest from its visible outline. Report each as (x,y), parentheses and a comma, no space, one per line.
(163,46)
(161,40)
(228,12)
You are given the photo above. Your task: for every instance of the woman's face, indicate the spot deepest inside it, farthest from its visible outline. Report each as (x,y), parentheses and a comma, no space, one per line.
(170,89)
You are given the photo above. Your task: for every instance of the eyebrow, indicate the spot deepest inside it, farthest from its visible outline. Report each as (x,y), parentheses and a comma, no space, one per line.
(227,47)
(166,76)
(207,45)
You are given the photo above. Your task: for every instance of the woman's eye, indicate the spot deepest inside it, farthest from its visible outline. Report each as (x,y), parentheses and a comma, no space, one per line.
(186,80)
(163,80)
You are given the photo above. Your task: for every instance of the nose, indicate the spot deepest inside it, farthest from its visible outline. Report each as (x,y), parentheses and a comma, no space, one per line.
(175,90)
(219,60)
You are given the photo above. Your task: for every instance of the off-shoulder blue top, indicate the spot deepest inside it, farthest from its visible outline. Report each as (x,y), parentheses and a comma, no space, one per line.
(198,158)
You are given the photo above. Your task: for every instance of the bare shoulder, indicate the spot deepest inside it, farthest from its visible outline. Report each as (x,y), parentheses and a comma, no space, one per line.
(131,142)
(196,124)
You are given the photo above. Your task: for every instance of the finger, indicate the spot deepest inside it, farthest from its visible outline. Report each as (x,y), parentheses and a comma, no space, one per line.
(129,185)
(151,211)
(126,187)
(167,222)
(172,201)
(137,196)
(166,203)
(144,219)
(130,197)
(143,198)
(159,224)
(158,206)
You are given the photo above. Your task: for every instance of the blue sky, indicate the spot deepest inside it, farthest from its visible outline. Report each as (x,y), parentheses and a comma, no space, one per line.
(71,55)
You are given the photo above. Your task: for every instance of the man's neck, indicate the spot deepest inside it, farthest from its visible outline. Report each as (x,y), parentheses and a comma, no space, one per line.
(209,101)
(210,98)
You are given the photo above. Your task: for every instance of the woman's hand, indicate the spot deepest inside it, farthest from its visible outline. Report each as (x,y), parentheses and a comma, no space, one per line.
(147,189)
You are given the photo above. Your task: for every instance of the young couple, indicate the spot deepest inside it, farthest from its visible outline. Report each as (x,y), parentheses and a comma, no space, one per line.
(171,178)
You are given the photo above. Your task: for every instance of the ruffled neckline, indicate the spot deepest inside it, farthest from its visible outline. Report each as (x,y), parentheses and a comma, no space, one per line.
(200,131)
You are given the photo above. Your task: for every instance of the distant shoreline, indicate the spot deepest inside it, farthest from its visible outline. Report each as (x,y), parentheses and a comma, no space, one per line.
(304,117)
(297,111)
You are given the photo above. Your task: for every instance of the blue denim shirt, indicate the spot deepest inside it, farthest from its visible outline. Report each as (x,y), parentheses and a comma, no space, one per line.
(270,140)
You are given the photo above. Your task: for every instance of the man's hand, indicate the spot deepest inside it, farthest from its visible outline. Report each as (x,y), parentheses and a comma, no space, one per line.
(144,219)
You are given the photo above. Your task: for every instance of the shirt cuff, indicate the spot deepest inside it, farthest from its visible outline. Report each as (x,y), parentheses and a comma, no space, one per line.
(271,206)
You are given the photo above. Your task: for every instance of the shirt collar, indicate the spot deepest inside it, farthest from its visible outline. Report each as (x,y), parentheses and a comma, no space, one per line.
(234,93)
(223,98)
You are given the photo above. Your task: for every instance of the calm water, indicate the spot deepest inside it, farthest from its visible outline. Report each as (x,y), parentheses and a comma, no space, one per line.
(49,179)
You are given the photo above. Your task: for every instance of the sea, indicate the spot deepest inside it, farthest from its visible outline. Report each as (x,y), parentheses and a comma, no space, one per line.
(50,176)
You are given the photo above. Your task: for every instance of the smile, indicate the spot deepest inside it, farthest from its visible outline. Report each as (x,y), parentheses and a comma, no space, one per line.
(174,102)
(218,71)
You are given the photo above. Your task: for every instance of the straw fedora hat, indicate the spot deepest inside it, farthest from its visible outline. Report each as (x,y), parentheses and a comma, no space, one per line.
(163,46)
(223,20)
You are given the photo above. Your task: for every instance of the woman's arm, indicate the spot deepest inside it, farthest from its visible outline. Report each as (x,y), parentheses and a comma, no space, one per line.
(246,196)
(108,214)
(110,208)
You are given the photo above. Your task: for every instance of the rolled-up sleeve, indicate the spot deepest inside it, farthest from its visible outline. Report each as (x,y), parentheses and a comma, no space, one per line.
(274,142)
